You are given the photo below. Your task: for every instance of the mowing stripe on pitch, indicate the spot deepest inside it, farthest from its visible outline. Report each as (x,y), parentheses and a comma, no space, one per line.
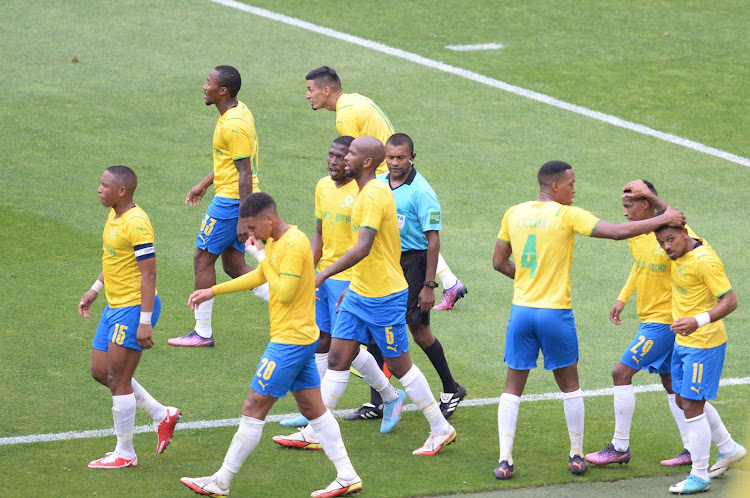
(234,422)
(485,80)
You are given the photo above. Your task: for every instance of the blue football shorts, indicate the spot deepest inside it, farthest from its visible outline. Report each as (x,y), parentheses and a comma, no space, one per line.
(325,306)
(696,372)
(531,329)
(284,368)
(218,229)
(120,326)
(650,348)
(382,319)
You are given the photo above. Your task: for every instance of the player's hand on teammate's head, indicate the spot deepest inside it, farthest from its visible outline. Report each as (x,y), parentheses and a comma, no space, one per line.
(674,217)
(636,189)
(199,296)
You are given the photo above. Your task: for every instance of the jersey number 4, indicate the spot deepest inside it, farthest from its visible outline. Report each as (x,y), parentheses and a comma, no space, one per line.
(528,256)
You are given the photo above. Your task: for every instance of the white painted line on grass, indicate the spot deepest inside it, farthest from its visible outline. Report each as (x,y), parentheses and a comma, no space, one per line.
(234,422)
(485,80)
(477,46)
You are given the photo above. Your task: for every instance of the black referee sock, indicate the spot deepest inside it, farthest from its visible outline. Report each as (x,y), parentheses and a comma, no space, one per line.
(437,358)
(374,350)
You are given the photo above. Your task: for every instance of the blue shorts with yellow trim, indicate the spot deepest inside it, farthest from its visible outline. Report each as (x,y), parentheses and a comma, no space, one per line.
(531,329)
(284,368)
(382,319)
(325,306)
(650,348)
(120,326)
(217,233)
(696,372)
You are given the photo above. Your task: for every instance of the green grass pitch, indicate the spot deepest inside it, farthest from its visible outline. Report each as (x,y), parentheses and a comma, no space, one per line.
(87,84)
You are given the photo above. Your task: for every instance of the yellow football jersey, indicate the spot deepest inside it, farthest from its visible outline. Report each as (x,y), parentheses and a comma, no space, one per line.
(650,277)
(379,273)
(542,237)
(125,240)
(234,138)
(698,279)
(358,116)
(333,207)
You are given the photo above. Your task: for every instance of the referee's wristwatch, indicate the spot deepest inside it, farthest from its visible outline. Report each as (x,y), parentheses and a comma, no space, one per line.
(430,283)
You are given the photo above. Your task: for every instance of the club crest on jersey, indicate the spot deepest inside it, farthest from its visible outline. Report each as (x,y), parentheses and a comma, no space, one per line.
(348,201)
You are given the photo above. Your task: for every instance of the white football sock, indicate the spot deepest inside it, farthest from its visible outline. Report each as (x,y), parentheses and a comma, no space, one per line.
(262,292)
(719,433)
(574,416)
(445,274)
(507,418)
(243,443)
(333,386)
(699,445)
(416,386)
(624,408)
(329,436)
(203,319)
(368,368)
(679,418)
(321,362)
(123,411)
(147,403)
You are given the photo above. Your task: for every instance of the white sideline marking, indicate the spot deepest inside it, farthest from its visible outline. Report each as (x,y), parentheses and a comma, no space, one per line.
(485,80)
(234,422)
(477,46)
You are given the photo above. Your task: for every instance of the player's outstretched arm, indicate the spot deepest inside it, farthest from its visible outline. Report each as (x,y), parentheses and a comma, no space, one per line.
(638,189)
(606,230)
(689,324)
(357,253)
(84,304)
(196,193)
(501,259)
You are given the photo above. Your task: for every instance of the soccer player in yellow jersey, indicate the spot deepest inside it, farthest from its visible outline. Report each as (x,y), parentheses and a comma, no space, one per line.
(651,348)
(374,307)
(126,326)
(541,234)
(234,176)
(288,363)
(358,116)
(701,297)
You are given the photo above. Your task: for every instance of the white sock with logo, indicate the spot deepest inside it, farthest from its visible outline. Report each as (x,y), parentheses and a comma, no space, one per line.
(699,445)
(507,419)
(368,368)
(203,319)
(445,274)
(574,416)
(679,418)
(624,408)
(416,386)
(123,412)
(243,443)
(147,403)
(329,436)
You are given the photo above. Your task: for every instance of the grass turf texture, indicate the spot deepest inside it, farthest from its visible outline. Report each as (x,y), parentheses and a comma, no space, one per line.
(135,98)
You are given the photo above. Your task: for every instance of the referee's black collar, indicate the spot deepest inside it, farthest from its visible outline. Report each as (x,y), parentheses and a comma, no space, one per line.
(409,178)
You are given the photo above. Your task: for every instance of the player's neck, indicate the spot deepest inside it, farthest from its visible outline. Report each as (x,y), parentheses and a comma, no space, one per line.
(345,181)
(279,229)
(226,105)
(123,207)
(334,100)
(365,178)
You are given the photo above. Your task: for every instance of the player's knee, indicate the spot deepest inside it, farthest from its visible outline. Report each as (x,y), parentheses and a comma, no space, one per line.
(325,343)
(422,336)
(99,375)
(621,375)
(202,261)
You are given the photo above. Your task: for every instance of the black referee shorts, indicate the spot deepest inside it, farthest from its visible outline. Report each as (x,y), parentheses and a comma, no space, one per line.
(414,264)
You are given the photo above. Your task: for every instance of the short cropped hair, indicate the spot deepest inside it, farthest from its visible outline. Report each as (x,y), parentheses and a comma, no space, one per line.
(324,75)
(125,176)
(551,171)
(344,140)
(398,139)
(257,204)
(229,78)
